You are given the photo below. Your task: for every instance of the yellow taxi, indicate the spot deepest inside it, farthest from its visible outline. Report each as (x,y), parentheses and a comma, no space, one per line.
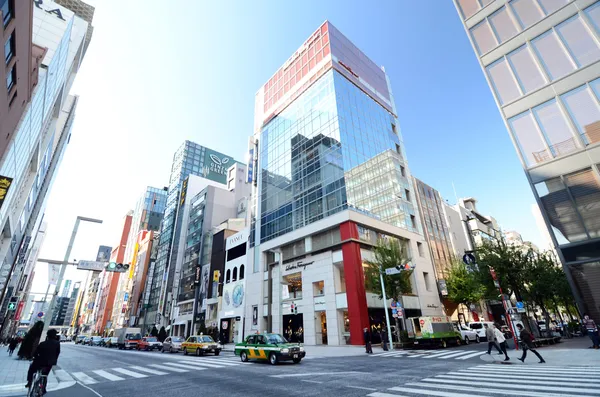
(200,345)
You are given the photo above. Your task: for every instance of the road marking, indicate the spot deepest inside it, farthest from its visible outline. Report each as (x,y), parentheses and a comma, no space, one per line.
(201,363)
(508,386)
(386,354)
(526,371)
(184,366)
(90,389)
(547,381)
(214,361)
(432,392)
(415,355)
(130,373)
(440,354)
(316,373)
(590,371)
(515,376)
(83,378)
(498,390)
(310,381)
(148,370)
(470,355)
(62,375)
(168,368)
(362,388)
(378,394)
(107,375)
(453,355)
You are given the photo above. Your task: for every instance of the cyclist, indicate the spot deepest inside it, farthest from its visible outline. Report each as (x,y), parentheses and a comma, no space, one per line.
(46,355)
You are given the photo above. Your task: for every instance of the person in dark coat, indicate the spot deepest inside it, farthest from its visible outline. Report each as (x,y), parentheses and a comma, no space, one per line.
(12,345)
(384,339)
(46,356)
(367,337)
(527,344)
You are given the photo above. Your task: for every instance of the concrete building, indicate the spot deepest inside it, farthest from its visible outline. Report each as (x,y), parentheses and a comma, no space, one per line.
(60,311)
(189,159)
(30,162)
(73,301)
(541,59)
(331,177)
(142,263)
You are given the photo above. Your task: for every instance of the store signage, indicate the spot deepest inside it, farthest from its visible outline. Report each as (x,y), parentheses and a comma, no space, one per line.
(55,11)
(198,274)
(183,191)
(236,239)
(5,183)
(298,265)
(250,167)
(319,304)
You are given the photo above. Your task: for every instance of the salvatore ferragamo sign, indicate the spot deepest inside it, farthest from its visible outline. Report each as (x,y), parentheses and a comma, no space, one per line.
(298,265)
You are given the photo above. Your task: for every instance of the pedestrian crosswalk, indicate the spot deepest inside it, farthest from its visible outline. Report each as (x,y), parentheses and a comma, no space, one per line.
(430,354)
(143,371)
(495,379)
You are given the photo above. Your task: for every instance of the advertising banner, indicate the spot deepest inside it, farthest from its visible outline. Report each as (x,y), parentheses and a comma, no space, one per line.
(233,299)
(5,183)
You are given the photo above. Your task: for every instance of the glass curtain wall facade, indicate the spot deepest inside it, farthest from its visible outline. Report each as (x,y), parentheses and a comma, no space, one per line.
(542,61)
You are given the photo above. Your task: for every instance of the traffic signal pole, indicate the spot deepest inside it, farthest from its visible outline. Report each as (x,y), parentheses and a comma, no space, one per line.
(387,315)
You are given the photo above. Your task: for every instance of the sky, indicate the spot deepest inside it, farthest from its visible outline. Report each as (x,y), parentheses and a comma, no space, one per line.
(156,75)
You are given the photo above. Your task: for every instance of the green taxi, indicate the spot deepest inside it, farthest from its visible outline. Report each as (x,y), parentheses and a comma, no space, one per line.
(272,347)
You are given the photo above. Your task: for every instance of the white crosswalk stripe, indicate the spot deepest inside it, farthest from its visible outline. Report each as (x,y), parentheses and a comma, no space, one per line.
(172,369)
(431,354)
(493,380)
(83,378)
(130,373)
(186,366)
(148,370)
(107,375)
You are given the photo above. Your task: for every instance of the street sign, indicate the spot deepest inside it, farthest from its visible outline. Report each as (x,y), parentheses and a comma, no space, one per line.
(392,270)
(468,259)
(520,307)
(94,266)
(12,306)
(40,314)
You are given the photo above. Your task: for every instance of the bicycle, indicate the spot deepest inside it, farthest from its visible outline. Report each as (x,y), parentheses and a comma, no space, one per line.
(38,384)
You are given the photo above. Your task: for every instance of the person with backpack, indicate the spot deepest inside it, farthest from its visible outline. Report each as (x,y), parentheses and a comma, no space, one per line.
(527,344)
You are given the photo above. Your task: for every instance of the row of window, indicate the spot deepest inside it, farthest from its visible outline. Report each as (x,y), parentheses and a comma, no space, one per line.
(510,20)
(525,11)
(551,56)
(547,131)
(233,276)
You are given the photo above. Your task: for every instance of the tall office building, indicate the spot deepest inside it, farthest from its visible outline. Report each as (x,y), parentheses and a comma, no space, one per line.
(541,60)
(331,178)
(34,152)
(190,158)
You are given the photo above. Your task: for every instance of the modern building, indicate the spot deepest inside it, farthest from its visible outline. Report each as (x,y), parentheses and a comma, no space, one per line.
(60,310)
(71,308)
(330,177)
(141,263)
(189,159)
(105,298)
(30,162)
(541,60)
(148,214)
(87,320)
(147,314)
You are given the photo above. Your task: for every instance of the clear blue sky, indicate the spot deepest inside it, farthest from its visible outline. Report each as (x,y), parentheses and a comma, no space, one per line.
(158,73)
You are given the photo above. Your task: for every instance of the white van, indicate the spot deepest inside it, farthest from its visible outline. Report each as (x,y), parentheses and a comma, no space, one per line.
(478,326)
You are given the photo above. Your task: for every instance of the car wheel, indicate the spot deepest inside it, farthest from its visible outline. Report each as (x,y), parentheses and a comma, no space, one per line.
(477,339)
(171,349)
(217,352)
(185,353)
(197,351)
(297,360)
(273,359)
(444,344)
(244,357)
(162,350)
(459,342)
(466,340)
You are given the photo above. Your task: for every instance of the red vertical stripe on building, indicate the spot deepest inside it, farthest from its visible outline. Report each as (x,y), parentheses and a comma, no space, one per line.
(358,313)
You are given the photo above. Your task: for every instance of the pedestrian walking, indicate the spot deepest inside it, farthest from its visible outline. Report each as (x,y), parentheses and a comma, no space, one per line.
(12,345)
(384,340)
(527,344)
(367,337)
(501,341)
(592,331)
(489,335)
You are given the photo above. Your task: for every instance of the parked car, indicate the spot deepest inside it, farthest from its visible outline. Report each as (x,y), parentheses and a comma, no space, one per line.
(478,326)
(112,342)
(104,341)
(80,339)
(86,340)
(149,343)
(63,338)
(467,335)
(95,341)
(172,344)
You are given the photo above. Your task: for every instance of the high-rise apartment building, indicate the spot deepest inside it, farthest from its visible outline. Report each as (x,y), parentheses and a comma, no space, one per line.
(189,159)
(331,177)
(541,60)
(30,162)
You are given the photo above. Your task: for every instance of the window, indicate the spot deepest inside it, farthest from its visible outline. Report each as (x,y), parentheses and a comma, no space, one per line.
(420,249)
(550,6)
(11,78)
(394,129)
(555,60)
(294,285)
(241,272)
(526,70)
(579,41)
(528,139)
(583,109)
(234,278)
(503,81)
(413,221)
(593,13)
(427,281)
(398,149)
(227,276)
(483,37)
(468,7)
(585,189)
(402,171)
(407,194)
(503,25)
(319,288)
(566,223)
(236,252)
(9,48)
(527,12)
(554,126)
(7,10)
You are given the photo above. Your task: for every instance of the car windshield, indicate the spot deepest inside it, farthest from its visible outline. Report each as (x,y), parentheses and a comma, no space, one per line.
(177,340)
(476,326)
(96,337)
(134,336)
(276,338)
(207,339)
(151,340)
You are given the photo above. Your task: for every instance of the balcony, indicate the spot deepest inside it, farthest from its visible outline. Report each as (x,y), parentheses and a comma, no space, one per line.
(557,150)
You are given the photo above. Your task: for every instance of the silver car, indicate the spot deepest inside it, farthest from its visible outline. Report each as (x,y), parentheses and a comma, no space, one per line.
(172,344)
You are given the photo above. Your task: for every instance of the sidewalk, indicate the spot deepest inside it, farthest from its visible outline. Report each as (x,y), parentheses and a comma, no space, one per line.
(13,376)
(570,352)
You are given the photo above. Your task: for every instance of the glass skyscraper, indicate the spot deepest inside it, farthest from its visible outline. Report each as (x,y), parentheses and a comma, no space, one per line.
(541,59)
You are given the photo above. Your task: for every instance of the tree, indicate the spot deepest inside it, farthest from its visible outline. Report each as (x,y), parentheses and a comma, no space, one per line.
(162,334)
(388,254)
(154,331)
(463,284)
(31,341)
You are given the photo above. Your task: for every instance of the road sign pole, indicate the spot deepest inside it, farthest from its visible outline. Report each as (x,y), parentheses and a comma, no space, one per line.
(387,316)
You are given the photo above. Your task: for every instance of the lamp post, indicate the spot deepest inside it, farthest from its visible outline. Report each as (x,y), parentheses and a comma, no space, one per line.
(64,264)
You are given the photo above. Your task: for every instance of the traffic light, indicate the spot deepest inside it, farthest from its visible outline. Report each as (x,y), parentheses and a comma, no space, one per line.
(292,308)
(295,309)
(117,267)
(12,303)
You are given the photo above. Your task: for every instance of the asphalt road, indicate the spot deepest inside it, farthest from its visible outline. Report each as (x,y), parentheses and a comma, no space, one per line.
(112,373)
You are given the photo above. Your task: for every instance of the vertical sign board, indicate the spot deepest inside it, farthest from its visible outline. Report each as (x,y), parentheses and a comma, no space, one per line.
(250,168)
(134,260)
(5,183)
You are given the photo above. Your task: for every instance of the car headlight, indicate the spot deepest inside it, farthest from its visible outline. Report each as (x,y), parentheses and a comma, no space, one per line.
(301,349)
(219,346)
(205,347)
(285,350)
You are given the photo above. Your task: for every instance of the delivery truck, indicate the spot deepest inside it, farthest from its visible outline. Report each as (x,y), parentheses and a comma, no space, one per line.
(435,331)
(128,338)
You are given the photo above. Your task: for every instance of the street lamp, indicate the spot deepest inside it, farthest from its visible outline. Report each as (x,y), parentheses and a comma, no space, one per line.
(64,264)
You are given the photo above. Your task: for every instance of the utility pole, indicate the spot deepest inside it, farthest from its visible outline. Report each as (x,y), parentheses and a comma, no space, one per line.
(387,316)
